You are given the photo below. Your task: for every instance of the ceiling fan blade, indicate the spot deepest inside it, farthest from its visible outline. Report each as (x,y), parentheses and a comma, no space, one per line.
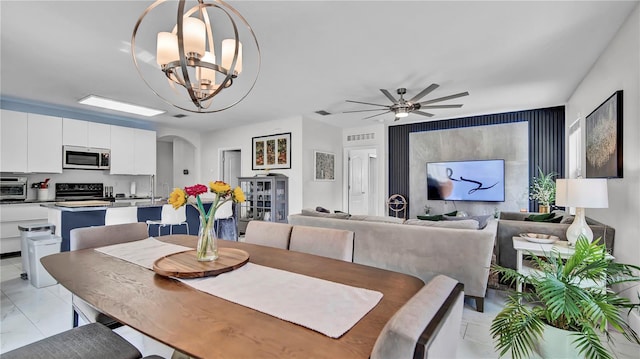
(377,115)
(422,113)
(441,106)
(424,92)
(386,93)
(461,94)
(367,103)
(375,109)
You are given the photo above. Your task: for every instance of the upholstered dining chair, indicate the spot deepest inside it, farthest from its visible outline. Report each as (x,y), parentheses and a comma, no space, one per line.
(326,242)
(88,341)
(92,237)
(170,217)
(427,326)
(271,234)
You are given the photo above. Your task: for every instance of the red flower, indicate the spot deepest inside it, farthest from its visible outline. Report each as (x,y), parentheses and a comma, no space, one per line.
(196,190)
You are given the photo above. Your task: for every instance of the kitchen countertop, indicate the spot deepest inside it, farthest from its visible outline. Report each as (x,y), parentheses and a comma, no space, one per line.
(142,203)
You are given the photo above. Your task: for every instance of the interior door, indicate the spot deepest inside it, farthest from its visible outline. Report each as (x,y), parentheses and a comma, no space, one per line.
(359,181)
(231,167)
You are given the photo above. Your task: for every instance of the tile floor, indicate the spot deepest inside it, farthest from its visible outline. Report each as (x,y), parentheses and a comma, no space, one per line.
(29,314)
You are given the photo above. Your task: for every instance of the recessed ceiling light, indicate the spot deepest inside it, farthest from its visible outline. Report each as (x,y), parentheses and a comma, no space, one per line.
(97,101)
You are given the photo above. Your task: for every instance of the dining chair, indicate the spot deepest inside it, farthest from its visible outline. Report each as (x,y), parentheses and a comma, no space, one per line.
(326,242)
(427,326)
(92,237)
(121,215)
(170,217)
(88,341)
(225,222)
(271,234)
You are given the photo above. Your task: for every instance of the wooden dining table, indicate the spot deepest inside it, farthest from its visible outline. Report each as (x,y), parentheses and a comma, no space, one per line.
(205,326)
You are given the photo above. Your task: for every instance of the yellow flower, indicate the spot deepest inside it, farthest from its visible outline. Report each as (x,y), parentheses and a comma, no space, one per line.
(220,187)
(238,195)
(177,198)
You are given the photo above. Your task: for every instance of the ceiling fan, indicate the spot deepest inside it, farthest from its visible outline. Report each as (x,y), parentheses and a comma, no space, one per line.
(402,108)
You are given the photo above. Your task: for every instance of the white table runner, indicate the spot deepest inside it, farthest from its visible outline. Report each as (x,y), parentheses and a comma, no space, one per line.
(324,306)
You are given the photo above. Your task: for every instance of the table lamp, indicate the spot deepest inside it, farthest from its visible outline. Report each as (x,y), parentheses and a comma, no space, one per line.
(581,193)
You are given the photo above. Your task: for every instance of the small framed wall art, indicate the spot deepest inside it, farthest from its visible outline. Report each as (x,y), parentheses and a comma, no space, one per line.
(271,152)
(324,165)
(604,139)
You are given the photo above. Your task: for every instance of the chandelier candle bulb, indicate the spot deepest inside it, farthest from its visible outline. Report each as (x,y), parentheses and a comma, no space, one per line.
(205,73)
(167,48)
(228,49)
(194,36)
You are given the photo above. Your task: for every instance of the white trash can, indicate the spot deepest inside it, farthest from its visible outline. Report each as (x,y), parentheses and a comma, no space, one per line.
(31,231)
(41,247)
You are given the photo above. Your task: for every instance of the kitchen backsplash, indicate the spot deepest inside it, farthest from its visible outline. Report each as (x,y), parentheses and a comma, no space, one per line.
(120,183)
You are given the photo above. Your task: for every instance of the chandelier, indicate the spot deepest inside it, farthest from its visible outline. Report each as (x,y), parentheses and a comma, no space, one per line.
(187,56)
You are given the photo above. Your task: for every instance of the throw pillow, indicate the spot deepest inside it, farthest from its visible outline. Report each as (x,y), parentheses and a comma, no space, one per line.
(567,219)
(437,217)
(540,217)
(322,209)
(314,213)
(461,224)
(452,214)
(482,220)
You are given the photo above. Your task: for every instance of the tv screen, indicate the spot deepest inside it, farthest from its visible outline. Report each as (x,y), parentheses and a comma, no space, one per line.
(481,181)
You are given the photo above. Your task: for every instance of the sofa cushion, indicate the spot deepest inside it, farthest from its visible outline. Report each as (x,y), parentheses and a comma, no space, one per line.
(464,223)
(314,213)
(482,220)
(381,219)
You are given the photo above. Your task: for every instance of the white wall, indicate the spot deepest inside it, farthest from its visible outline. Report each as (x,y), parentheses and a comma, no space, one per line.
(164,168)
(618,68)
(318,136)
(240,137)
(184,158)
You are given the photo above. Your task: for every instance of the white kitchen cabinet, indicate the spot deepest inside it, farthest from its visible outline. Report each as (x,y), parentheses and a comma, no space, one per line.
(74,132)
(44,144)
(13,141)
(144,154)
(14,215)
(98,135)
(86,134)
(122,147)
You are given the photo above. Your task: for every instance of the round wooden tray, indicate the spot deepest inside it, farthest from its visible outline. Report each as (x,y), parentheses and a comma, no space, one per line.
(185,264)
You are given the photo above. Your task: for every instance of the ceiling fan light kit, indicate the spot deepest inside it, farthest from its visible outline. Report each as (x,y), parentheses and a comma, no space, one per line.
(402,108)
(186,55)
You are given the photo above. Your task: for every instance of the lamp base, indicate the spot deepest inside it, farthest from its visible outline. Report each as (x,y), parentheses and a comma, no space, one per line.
(578,227)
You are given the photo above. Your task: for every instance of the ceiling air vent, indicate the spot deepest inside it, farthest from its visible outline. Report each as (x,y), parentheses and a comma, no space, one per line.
(323,112)
(361,137)
(179,115)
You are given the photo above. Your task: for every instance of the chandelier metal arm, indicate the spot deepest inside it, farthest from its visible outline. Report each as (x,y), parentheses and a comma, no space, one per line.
(183,57)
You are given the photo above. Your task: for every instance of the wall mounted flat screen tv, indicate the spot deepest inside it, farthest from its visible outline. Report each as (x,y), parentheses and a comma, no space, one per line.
(481,181)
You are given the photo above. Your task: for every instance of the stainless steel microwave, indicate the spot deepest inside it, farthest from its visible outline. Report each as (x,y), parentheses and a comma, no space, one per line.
(86,158)
(13,188)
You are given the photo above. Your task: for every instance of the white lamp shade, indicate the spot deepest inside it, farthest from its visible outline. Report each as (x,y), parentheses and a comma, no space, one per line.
(166,48)
(205,73)
(582,192)
(228,49)
(194,36)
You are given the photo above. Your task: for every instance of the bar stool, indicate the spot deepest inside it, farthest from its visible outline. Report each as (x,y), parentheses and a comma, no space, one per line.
(121,215)
(170,217)
(225,212)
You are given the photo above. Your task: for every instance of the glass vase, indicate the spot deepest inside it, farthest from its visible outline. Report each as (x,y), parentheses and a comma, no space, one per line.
(207,248)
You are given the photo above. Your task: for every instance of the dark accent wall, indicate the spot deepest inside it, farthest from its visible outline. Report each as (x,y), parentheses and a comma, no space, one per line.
(546,143)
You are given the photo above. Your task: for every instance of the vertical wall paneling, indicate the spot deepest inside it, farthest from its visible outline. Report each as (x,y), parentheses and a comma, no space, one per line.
(546,143)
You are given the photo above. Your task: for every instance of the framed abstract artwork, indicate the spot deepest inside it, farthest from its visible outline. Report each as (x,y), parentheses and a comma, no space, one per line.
(604,139)
(271,152)
(324,165)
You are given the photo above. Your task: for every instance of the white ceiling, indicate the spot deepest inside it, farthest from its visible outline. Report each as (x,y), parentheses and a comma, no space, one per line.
(317,54)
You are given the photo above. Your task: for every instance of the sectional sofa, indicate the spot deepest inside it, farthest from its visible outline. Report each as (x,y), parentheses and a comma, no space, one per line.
(420,248)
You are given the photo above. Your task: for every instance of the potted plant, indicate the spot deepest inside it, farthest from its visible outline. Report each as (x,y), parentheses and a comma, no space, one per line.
(572,297)
(543,190)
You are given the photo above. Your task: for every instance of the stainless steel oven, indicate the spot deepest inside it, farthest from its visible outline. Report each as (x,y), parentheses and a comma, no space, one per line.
(13,188)
(86,158)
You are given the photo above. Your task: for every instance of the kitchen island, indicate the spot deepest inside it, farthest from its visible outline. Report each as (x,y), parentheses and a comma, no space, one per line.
(66,218)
